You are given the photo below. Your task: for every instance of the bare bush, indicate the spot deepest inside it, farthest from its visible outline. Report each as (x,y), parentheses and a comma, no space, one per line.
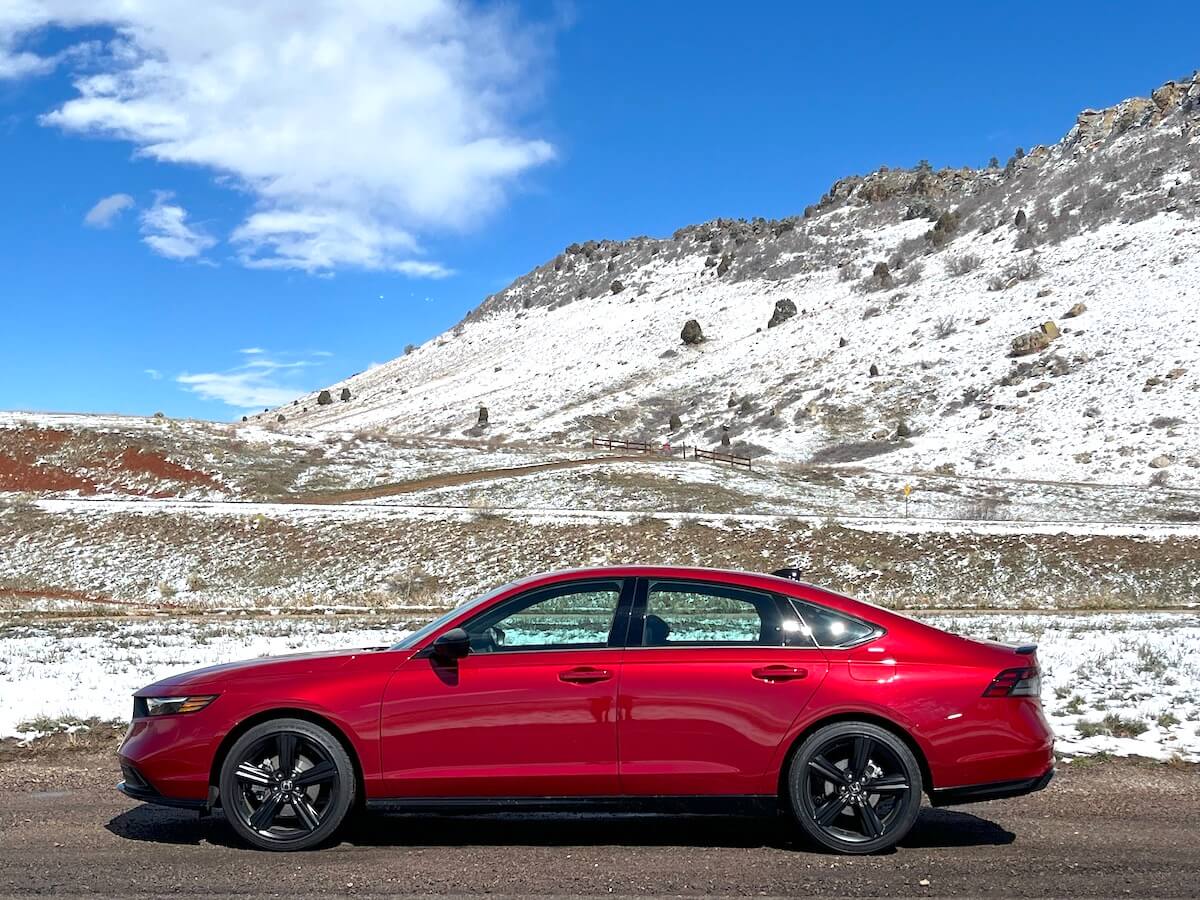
(848,272)
(1015,272)
(962,264)
(944,327)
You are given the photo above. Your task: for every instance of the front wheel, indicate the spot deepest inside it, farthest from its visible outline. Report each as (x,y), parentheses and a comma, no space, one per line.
(286,784)
(855,787)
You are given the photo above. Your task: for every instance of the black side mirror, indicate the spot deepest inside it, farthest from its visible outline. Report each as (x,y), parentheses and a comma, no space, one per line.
(454,644)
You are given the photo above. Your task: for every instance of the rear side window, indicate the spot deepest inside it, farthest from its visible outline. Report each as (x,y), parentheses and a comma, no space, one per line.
(693,613)
(833,629)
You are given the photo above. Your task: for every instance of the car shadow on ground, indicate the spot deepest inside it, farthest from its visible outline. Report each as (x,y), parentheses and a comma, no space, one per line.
(935,828)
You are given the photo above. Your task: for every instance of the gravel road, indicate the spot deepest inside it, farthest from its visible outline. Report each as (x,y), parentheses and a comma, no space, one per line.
(1101,829)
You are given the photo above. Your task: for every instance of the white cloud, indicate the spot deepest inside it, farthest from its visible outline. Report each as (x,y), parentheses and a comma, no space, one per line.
(355,125)
(153,373)
(165,231)
(106,210)
(261,381)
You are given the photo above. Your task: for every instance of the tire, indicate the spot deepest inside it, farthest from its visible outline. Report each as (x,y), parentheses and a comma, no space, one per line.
(855,788)
(286,784)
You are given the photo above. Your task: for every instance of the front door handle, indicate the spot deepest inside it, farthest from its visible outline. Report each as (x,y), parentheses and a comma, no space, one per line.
(779,673)
(584,675)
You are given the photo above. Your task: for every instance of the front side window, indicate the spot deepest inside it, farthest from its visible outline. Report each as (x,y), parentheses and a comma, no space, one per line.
(572,616)
(687,613)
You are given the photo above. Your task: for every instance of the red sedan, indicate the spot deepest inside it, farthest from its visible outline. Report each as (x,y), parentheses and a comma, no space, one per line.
(632,687)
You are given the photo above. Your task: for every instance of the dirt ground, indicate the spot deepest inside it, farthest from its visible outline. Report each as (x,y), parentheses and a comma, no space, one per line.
(1108,828)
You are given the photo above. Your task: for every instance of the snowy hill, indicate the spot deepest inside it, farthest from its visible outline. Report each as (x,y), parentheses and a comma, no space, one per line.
(917,339)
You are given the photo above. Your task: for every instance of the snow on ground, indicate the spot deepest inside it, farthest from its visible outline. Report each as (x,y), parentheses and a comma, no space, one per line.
(1137,675)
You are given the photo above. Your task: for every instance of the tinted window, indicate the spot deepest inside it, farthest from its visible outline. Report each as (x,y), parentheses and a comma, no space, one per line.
(687,613)
(559,617)
(831,629)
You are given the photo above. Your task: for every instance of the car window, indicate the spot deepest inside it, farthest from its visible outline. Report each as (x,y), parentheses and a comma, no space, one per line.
(560,617)
(689,613)
(832,629)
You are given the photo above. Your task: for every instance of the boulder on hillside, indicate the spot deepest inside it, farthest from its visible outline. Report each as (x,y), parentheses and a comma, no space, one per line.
(324,398)
(1077,310)
(691,334)
(1030,342)
(874,370)
(1050,329)
(1160,462)
(345,394)
(483,415)
(617,286)
(784,310)
(676,422)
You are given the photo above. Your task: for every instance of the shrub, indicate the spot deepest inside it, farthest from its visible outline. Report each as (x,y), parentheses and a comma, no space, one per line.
(848,272)
(944,327)
(409,348)
(1021,270)
(962,264)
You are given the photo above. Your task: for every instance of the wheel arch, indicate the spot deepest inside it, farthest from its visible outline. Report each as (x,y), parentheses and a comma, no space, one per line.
(870,718)
(285,712)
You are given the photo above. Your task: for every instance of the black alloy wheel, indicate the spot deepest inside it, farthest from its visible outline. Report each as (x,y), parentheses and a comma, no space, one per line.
(286,784)
(855,787)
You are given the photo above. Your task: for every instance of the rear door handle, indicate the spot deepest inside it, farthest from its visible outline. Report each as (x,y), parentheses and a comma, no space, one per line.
(584,675)
(779,673)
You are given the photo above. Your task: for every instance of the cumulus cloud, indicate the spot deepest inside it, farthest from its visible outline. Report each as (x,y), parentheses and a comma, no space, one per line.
(263,380)
(106,210)
(354,125)
(165,230)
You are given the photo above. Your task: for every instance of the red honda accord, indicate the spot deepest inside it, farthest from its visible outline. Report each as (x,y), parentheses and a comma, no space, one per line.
(633,687)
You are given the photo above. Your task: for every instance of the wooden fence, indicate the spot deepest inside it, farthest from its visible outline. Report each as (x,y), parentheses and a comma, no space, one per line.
(742,462)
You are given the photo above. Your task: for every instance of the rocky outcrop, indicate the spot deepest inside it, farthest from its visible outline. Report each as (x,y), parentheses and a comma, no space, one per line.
(1094,126)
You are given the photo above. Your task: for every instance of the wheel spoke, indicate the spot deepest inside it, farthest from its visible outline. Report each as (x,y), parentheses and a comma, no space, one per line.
(829,771)
(287,753)
(861,756)
(306,813)
(252,773)
(318,774)
(888,784)
(872,827)
(827,812)
(265,814)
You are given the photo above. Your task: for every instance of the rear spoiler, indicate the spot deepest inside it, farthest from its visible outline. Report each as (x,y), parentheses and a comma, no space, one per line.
(1026,649)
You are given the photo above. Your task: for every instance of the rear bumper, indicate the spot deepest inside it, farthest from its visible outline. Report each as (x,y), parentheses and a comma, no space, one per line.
(996,790)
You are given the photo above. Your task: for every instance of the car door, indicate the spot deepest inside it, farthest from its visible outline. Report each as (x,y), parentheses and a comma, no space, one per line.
(529,711)
(714,676)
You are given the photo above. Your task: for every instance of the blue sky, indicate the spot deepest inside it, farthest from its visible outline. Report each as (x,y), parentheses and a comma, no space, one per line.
(323,190)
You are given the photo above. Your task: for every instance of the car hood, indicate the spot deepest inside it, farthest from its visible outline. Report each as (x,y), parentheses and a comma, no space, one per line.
(263,667)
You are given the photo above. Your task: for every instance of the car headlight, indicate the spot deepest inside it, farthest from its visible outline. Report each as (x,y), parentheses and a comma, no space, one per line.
(169,706)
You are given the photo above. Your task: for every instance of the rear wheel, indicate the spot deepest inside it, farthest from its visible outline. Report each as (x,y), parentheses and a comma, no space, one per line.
(286,784)
(855,787)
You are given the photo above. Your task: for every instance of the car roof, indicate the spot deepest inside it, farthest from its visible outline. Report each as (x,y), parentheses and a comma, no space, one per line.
(737,577)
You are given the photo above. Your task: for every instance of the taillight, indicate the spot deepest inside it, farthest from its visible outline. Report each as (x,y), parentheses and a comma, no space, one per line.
(1023,682)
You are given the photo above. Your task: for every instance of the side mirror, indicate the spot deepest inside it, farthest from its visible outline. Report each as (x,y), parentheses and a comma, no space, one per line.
(454,644)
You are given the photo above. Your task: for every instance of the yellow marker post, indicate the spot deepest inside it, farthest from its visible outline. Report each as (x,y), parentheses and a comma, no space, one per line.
(907,491)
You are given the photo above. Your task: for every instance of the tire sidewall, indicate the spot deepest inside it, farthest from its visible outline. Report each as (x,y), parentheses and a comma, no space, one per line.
(342,802)
(798,771)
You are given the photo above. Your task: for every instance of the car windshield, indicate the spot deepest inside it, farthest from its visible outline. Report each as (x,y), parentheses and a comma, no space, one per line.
(407,643)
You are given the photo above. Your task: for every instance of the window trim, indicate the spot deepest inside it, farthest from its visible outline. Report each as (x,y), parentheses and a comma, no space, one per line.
(637,618)
(618,632)
(877,631)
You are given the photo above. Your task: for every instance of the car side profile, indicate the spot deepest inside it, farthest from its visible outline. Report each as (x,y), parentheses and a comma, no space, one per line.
(633,687)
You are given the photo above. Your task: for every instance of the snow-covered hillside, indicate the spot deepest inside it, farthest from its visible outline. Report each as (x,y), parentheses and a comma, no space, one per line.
(909,288)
